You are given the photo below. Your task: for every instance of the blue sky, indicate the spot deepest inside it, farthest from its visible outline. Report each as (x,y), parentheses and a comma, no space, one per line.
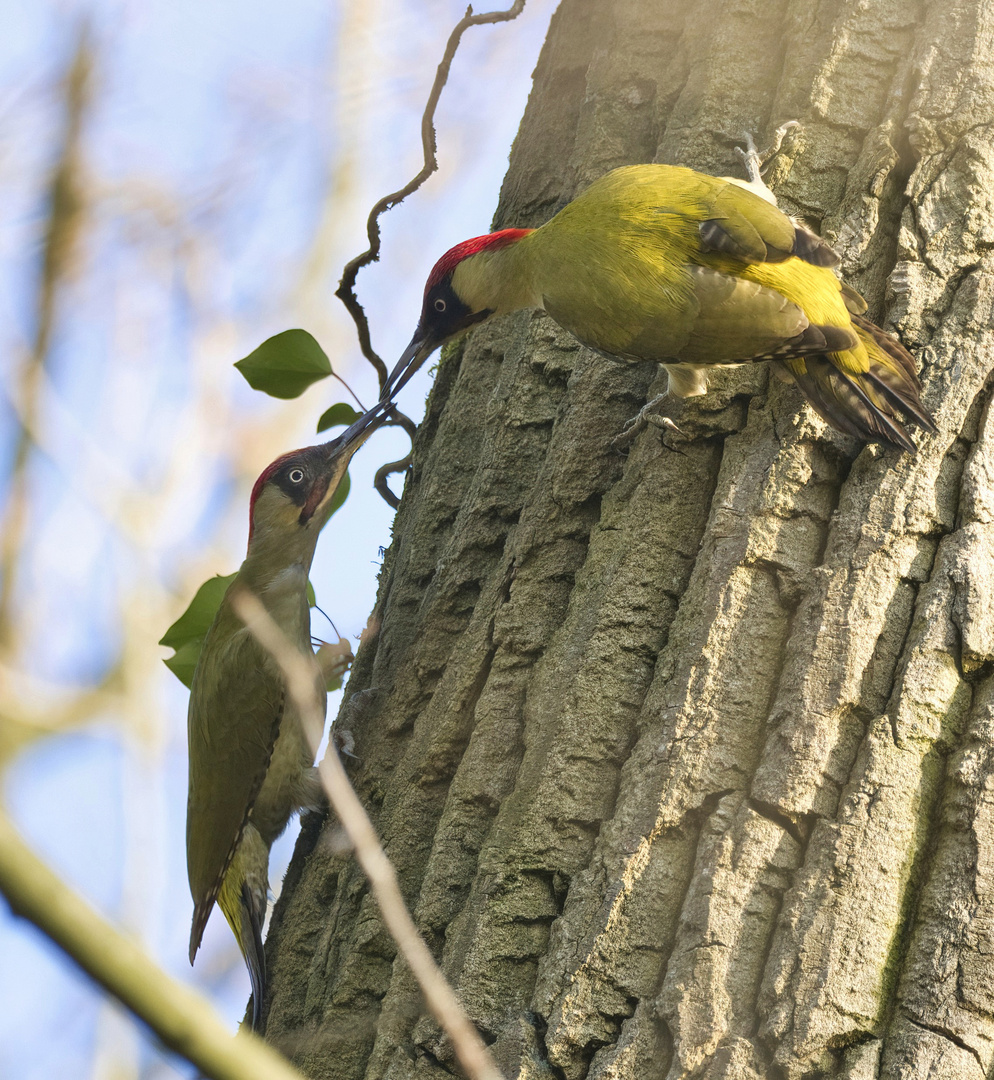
(231,155)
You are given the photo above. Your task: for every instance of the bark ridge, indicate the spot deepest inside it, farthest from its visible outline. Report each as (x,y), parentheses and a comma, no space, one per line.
(686,759)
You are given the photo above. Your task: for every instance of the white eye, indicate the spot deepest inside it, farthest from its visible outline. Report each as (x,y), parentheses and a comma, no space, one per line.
(439,304)
(295,476)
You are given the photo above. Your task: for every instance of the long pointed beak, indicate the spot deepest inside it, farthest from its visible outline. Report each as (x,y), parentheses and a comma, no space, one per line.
(416,353)
(340,452)
(358,431)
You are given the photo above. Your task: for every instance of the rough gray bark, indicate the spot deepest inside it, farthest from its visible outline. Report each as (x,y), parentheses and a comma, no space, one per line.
(686,760)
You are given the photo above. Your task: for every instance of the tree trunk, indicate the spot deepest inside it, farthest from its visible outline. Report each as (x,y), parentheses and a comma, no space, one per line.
(686,759)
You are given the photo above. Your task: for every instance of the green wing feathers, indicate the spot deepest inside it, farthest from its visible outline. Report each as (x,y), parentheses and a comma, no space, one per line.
(657,262)
(236,705)
(743,224)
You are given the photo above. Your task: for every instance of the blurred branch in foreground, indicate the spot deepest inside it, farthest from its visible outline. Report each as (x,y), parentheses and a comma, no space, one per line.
(65,213)
(470,1050)
(182,1019)
(32,708)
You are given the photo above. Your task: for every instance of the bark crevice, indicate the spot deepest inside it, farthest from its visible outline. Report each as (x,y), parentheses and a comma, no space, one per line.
(683,755)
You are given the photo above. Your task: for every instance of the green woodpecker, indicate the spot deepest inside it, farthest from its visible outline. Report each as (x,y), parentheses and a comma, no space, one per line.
(251,765)
(657,262)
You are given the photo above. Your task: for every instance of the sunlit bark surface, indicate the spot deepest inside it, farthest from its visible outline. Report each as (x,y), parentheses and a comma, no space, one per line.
(686,759)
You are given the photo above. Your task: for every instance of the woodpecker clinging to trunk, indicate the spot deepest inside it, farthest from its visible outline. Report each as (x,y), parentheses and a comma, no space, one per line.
(658,262)
(251,764)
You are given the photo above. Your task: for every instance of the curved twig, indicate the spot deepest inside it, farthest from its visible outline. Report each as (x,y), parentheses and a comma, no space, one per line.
(391,467)
(346,287)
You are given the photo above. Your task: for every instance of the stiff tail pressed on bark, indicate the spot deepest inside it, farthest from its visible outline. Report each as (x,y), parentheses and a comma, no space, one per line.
(869,404)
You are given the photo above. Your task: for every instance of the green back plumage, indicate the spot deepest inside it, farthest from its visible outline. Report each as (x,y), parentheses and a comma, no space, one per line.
(657,262)
(616,268)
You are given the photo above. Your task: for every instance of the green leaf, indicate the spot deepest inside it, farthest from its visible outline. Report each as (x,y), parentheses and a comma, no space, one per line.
(341,494)
(197,619)
(341,414)
(285,365)
(187,633)
(183,663)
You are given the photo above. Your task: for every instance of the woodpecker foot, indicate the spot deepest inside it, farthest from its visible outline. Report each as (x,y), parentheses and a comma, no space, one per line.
(343,741)
(755,162)
(650,413)
(353,711)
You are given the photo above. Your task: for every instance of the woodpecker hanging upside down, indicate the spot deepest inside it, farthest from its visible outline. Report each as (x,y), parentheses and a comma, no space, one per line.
(657,262)
(251,764)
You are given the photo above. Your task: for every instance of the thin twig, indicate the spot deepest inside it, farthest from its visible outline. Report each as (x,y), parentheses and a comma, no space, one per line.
(391,467)
(298,670)
(346,287)
(335,375)
(181,1018)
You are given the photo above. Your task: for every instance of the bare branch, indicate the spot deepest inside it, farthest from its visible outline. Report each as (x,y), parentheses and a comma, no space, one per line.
(298,670)
(346,287)
(182,1019)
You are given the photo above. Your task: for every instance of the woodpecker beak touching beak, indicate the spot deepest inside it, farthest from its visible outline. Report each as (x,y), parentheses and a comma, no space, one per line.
(422,345)
(426,341)
(338,454)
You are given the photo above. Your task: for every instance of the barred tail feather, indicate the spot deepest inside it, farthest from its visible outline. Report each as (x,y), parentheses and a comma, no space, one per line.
(201,913)
(901,384)
(255,956)
(841,400)
(872,405)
